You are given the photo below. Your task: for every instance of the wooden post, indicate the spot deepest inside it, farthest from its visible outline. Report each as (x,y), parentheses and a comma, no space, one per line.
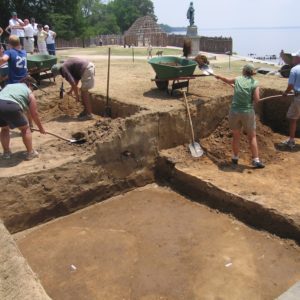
(107,108)
(132,54)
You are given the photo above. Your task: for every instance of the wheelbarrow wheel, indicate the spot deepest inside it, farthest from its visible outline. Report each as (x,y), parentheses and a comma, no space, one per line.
(285,71)
(162,85)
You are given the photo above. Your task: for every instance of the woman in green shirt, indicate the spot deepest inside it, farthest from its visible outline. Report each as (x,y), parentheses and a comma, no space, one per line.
(242,114)
(16,100)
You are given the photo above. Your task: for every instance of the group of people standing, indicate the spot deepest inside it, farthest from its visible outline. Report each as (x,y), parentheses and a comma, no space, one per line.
(33,37)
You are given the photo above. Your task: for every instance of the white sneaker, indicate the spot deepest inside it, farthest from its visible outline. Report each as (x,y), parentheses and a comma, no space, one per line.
(6,155)
(32,155)
(288,143)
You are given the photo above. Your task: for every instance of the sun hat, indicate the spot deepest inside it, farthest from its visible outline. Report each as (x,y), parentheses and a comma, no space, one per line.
(56,69)
(46,26)
(296,53)
(249,69)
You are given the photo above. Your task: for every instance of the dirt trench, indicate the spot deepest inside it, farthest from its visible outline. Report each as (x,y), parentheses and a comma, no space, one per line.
(120,154)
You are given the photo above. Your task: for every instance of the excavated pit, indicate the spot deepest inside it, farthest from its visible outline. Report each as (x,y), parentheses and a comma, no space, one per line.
(152,243)
(273,112)
(121,154)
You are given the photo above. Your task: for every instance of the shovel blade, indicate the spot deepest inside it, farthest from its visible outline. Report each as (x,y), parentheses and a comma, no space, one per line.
(79,141)
(196,149)
(206,70)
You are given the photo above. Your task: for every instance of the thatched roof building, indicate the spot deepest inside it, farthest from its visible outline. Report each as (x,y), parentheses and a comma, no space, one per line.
(145,31)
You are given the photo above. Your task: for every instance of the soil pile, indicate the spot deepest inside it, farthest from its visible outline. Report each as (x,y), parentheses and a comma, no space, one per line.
(104,129)
(218,144)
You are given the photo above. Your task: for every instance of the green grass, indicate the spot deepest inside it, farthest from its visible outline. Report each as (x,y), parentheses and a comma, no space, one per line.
(236,67)
(121,51)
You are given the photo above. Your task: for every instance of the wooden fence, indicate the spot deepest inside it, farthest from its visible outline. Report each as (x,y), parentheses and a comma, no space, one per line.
(207,44)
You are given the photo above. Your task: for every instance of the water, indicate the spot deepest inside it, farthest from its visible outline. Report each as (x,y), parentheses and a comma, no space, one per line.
(260,41)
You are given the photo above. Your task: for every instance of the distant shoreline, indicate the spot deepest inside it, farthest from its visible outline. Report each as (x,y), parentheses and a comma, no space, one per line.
(182,29)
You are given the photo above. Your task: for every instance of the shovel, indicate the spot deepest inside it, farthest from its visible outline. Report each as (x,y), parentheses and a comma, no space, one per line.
(207,70)
(78,137)
(194,147)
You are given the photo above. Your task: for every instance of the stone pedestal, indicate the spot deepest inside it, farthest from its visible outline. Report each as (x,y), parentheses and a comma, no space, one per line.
(192,34)
(195,45)
(192,31)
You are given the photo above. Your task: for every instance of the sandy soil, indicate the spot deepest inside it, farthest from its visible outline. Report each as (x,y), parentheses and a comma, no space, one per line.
(154,244)
(131,252)
(275,187)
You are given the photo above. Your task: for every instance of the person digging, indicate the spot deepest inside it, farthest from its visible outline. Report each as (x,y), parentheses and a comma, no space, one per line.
(15,101)
(242,114)
(293,113)
(75,70)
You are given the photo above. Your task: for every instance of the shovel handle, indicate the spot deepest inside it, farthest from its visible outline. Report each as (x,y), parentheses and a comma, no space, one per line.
(190,118)
(274,96)
(53,134)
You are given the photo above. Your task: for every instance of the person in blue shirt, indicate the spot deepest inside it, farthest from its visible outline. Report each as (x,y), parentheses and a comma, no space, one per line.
(17,61)
(293,113)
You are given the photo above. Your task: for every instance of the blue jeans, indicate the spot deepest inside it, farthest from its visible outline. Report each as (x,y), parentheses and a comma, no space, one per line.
(51,49)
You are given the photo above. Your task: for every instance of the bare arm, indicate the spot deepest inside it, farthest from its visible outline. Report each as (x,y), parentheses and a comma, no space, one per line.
(289,88)
(1,31)
(256,95)
(34,114)
(74,88)
(3,59)
(226,80)
(7,29)
(21,22)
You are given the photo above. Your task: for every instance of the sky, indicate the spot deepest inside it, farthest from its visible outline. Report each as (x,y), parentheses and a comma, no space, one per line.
(230,13)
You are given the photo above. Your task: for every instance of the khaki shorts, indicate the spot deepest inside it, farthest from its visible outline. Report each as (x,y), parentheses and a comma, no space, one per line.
(294,109)
(87,79)
(237,120)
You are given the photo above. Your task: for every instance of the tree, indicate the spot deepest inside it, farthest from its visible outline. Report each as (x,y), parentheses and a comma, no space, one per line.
(127,11)
(81,18)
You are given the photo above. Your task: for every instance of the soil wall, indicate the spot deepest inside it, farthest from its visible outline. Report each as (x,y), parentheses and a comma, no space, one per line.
(17,280)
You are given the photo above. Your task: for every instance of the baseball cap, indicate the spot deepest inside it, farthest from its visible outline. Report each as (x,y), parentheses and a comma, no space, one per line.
(14,13)
(46,26)
(56,69)
(296,53)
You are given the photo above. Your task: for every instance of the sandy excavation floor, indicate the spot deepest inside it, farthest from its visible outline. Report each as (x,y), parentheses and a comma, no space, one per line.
(154,244)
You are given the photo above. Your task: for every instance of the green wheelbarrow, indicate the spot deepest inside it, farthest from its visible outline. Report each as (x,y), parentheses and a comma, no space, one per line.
(171,68)
(39,66)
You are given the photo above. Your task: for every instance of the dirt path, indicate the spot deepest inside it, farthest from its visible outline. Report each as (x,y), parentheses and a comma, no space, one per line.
(154,244)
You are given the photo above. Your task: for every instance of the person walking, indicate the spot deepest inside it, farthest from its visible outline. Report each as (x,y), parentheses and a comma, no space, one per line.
(41,39)
(242,114)
(74,70)
(16,58)
(149,51)
(16,27)
(15,100)
(50,40)
(293,113)
(29,37)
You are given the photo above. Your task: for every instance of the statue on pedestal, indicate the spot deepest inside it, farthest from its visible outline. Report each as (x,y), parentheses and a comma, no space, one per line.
(190,14)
